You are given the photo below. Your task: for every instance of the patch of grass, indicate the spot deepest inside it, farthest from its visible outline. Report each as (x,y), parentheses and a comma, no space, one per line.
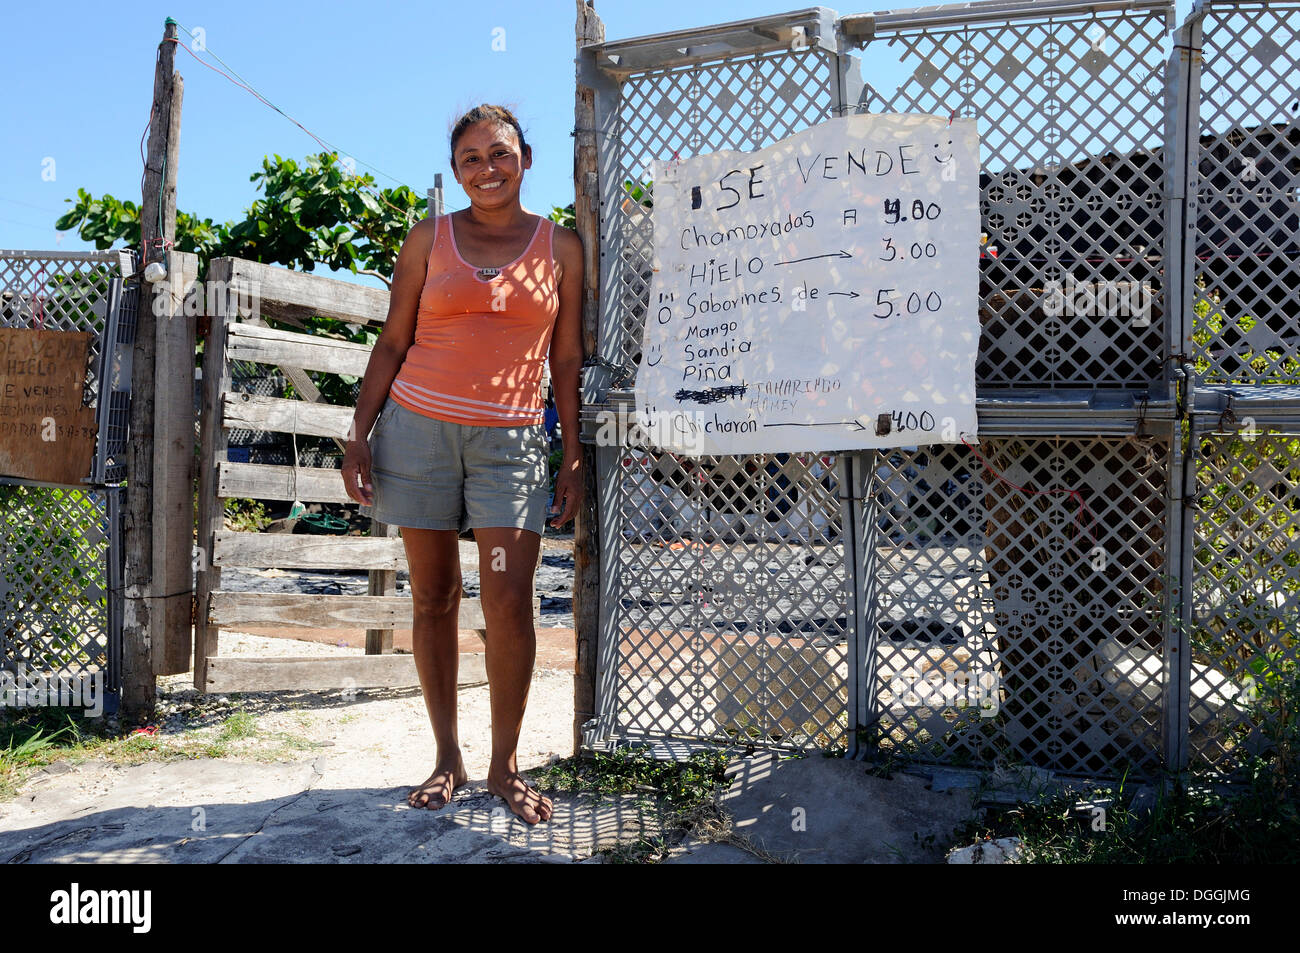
(686,790)
(284,747)
(138,748)
(677,784)
(31,738)
(643,850)
(1063,829)
(689,790)
(241,727)
(238,726)
(19,753)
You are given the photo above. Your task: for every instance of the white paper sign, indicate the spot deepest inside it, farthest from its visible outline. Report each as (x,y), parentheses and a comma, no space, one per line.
(819,294)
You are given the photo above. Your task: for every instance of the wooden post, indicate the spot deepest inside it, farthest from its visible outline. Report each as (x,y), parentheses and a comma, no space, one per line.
(434,195)
(382,582)
(212,450)
(586,553)
(172,607)
(157,227)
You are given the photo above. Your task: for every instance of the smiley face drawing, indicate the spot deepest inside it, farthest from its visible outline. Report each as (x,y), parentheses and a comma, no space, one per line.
(939,157)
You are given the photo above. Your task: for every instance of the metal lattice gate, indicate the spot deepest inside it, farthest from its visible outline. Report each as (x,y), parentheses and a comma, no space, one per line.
(1018,616)
(712,625)
(61,572)
(1022,598)
(1241,342)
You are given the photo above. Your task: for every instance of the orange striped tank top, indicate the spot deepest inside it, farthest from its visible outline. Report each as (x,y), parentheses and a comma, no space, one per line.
(482,336)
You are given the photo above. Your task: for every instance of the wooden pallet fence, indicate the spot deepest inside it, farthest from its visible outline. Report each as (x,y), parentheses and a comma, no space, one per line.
(291,296)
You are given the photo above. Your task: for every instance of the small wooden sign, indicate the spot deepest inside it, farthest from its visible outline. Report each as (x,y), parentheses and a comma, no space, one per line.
(45,432)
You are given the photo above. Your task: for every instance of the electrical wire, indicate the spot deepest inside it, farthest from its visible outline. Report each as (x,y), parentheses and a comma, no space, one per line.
(240,82)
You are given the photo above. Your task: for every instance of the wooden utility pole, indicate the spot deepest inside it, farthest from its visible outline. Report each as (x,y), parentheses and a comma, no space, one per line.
(157,233)
(586,213)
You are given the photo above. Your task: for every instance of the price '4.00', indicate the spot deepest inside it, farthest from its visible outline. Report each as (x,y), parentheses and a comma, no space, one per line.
(919,211)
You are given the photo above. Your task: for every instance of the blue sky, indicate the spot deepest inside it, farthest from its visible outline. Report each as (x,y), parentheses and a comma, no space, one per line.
(381,81)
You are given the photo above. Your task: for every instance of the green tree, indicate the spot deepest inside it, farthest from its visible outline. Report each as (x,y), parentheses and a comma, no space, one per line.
(310,212)
(314,212)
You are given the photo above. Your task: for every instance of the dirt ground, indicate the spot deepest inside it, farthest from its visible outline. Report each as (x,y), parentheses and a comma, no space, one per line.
(266,772)
(322,777)
(389,721)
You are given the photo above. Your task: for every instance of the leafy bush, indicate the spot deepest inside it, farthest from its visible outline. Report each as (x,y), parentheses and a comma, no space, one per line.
(1197,820)
(247,516)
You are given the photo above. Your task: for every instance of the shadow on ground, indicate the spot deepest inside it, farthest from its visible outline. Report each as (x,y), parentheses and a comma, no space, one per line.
(798,810)
(219,812)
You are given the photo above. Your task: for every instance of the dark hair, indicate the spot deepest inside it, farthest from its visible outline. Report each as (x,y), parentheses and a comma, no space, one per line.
(489,113)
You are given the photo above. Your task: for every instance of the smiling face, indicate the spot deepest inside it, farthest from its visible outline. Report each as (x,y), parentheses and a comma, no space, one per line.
(489,164)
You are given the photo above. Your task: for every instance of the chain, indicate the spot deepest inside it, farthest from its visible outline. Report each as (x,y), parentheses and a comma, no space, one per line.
(1228,418)
(623,373)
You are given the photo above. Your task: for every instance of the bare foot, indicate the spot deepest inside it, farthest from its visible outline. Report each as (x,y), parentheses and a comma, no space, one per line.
(522,797)
(436,792)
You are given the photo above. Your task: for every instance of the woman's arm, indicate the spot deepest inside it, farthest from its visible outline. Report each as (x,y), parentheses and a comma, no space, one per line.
(566,365)
(386,357)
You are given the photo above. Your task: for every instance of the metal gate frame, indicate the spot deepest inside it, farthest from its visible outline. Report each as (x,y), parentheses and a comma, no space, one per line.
(1240,267)
(1057,629)
(85,565)
(1132,691)
(770,632)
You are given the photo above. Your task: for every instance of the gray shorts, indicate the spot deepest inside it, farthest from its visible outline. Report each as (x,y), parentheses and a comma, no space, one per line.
(435,474)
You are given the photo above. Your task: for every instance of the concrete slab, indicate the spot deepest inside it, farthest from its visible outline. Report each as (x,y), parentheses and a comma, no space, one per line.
(829,810)
(215,811)
(802,810)
(322,778)
(336,794)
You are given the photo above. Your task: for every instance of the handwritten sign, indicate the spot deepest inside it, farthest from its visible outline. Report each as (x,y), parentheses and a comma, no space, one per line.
(819,294)
(45,432)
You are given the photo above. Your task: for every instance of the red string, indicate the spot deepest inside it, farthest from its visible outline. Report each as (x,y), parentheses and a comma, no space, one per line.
(1075,495)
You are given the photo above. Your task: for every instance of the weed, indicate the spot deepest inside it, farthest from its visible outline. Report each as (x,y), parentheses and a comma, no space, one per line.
(40,736)
(1193,819)
(237,727)
(23,753)
(686,790)
(246,515)
(643,850)
(676,784)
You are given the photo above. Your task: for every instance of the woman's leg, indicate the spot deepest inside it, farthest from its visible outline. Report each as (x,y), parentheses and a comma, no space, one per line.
(433,557)
(507,564)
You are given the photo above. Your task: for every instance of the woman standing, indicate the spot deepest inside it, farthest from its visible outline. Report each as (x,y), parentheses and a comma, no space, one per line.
(478,296)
